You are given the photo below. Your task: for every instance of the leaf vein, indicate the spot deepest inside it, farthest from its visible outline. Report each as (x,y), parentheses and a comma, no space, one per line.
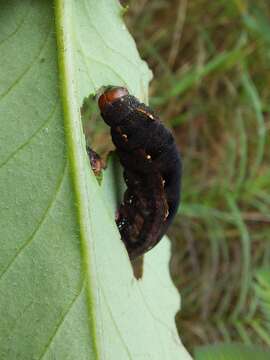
(28,68)
(108,66)
(116,326)
(42,220)
(122,55)
(61,321)
(50,117)
(16,30)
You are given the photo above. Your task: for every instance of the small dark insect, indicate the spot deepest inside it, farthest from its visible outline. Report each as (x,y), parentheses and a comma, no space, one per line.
(95,161)
(152,169)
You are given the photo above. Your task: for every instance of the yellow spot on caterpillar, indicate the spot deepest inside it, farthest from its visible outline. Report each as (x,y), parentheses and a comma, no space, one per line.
(146,113)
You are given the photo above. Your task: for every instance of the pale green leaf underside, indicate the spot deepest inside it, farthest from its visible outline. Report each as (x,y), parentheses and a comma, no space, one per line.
(66,285)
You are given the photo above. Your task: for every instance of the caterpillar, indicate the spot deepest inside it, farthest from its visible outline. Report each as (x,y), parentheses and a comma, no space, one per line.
(152,169)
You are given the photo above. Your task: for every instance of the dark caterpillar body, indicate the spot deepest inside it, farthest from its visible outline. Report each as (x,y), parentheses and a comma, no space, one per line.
(152,169)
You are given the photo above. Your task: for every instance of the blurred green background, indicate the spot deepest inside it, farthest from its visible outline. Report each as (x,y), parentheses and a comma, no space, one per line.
(211,86)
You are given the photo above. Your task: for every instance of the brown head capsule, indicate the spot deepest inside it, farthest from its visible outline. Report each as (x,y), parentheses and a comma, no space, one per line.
(110,95)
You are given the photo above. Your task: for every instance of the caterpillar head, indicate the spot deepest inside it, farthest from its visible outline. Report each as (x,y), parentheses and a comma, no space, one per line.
(110,95)
(115,104)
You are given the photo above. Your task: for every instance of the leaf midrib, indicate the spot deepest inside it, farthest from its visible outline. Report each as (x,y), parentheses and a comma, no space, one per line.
(73,133)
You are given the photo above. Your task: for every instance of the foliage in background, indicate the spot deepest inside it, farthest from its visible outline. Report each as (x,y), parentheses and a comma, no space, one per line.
(234,351)
(211,84)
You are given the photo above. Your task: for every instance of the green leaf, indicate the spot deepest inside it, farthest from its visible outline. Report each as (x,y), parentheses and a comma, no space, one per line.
(67,289)
(231,351)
